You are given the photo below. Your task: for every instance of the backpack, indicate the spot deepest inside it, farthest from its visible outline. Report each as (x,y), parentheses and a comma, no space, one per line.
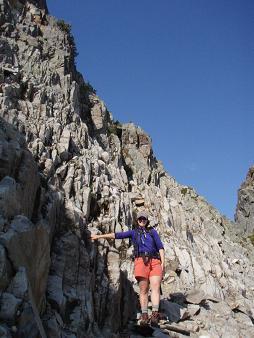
(135,244)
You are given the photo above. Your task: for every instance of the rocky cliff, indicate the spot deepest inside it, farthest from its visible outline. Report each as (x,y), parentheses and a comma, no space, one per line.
(67,170)
(245,207)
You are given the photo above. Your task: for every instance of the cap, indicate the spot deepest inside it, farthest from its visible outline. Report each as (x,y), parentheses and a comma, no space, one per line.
(142,214)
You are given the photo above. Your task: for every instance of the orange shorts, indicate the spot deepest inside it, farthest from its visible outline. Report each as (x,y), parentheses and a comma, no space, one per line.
(153,268)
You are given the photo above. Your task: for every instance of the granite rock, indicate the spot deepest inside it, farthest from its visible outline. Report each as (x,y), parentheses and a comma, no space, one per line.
(68,170)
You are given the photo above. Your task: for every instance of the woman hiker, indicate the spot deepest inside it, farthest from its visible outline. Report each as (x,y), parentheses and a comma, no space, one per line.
(148,265)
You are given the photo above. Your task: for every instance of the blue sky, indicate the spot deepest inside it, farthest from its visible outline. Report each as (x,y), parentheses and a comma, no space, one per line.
(183,71)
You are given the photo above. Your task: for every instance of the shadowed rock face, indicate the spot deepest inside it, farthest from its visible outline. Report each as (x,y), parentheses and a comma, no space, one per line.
(67,169)
(245,207)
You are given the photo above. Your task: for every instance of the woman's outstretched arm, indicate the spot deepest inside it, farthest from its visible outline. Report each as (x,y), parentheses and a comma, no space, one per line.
(109,236)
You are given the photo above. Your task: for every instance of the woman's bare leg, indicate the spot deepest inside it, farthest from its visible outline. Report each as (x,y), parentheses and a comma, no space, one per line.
(143,292)
(155,283)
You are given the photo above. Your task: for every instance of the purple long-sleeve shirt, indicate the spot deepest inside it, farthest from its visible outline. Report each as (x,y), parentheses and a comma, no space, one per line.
(145,241)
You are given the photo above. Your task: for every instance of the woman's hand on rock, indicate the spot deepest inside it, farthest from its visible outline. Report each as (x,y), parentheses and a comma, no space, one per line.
(94,237)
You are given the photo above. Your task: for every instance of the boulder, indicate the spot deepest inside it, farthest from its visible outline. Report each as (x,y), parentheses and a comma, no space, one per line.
(9,201)
(195,296)
(9,305)
(19,285)
(28,246)
(173,311)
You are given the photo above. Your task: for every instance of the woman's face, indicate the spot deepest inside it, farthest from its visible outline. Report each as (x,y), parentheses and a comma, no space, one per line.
(142,221)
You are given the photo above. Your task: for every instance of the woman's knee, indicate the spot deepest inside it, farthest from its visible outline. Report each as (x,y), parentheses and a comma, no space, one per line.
(143,287)
(155,284)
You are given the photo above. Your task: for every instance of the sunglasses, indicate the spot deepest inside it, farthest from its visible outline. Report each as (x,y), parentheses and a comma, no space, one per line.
(142,219)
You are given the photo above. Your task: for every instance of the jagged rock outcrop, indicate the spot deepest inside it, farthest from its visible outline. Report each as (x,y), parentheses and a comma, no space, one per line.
(24,246)
(68,169)
(245,207)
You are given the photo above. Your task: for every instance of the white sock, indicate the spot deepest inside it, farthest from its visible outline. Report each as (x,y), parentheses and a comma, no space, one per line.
(155,308)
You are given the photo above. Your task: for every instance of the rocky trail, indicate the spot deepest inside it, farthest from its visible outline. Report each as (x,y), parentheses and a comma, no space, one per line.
(191,315)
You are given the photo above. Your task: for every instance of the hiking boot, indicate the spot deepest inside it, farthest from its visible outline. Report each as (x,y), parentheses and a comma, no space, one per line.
(155,317)
(144,320)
